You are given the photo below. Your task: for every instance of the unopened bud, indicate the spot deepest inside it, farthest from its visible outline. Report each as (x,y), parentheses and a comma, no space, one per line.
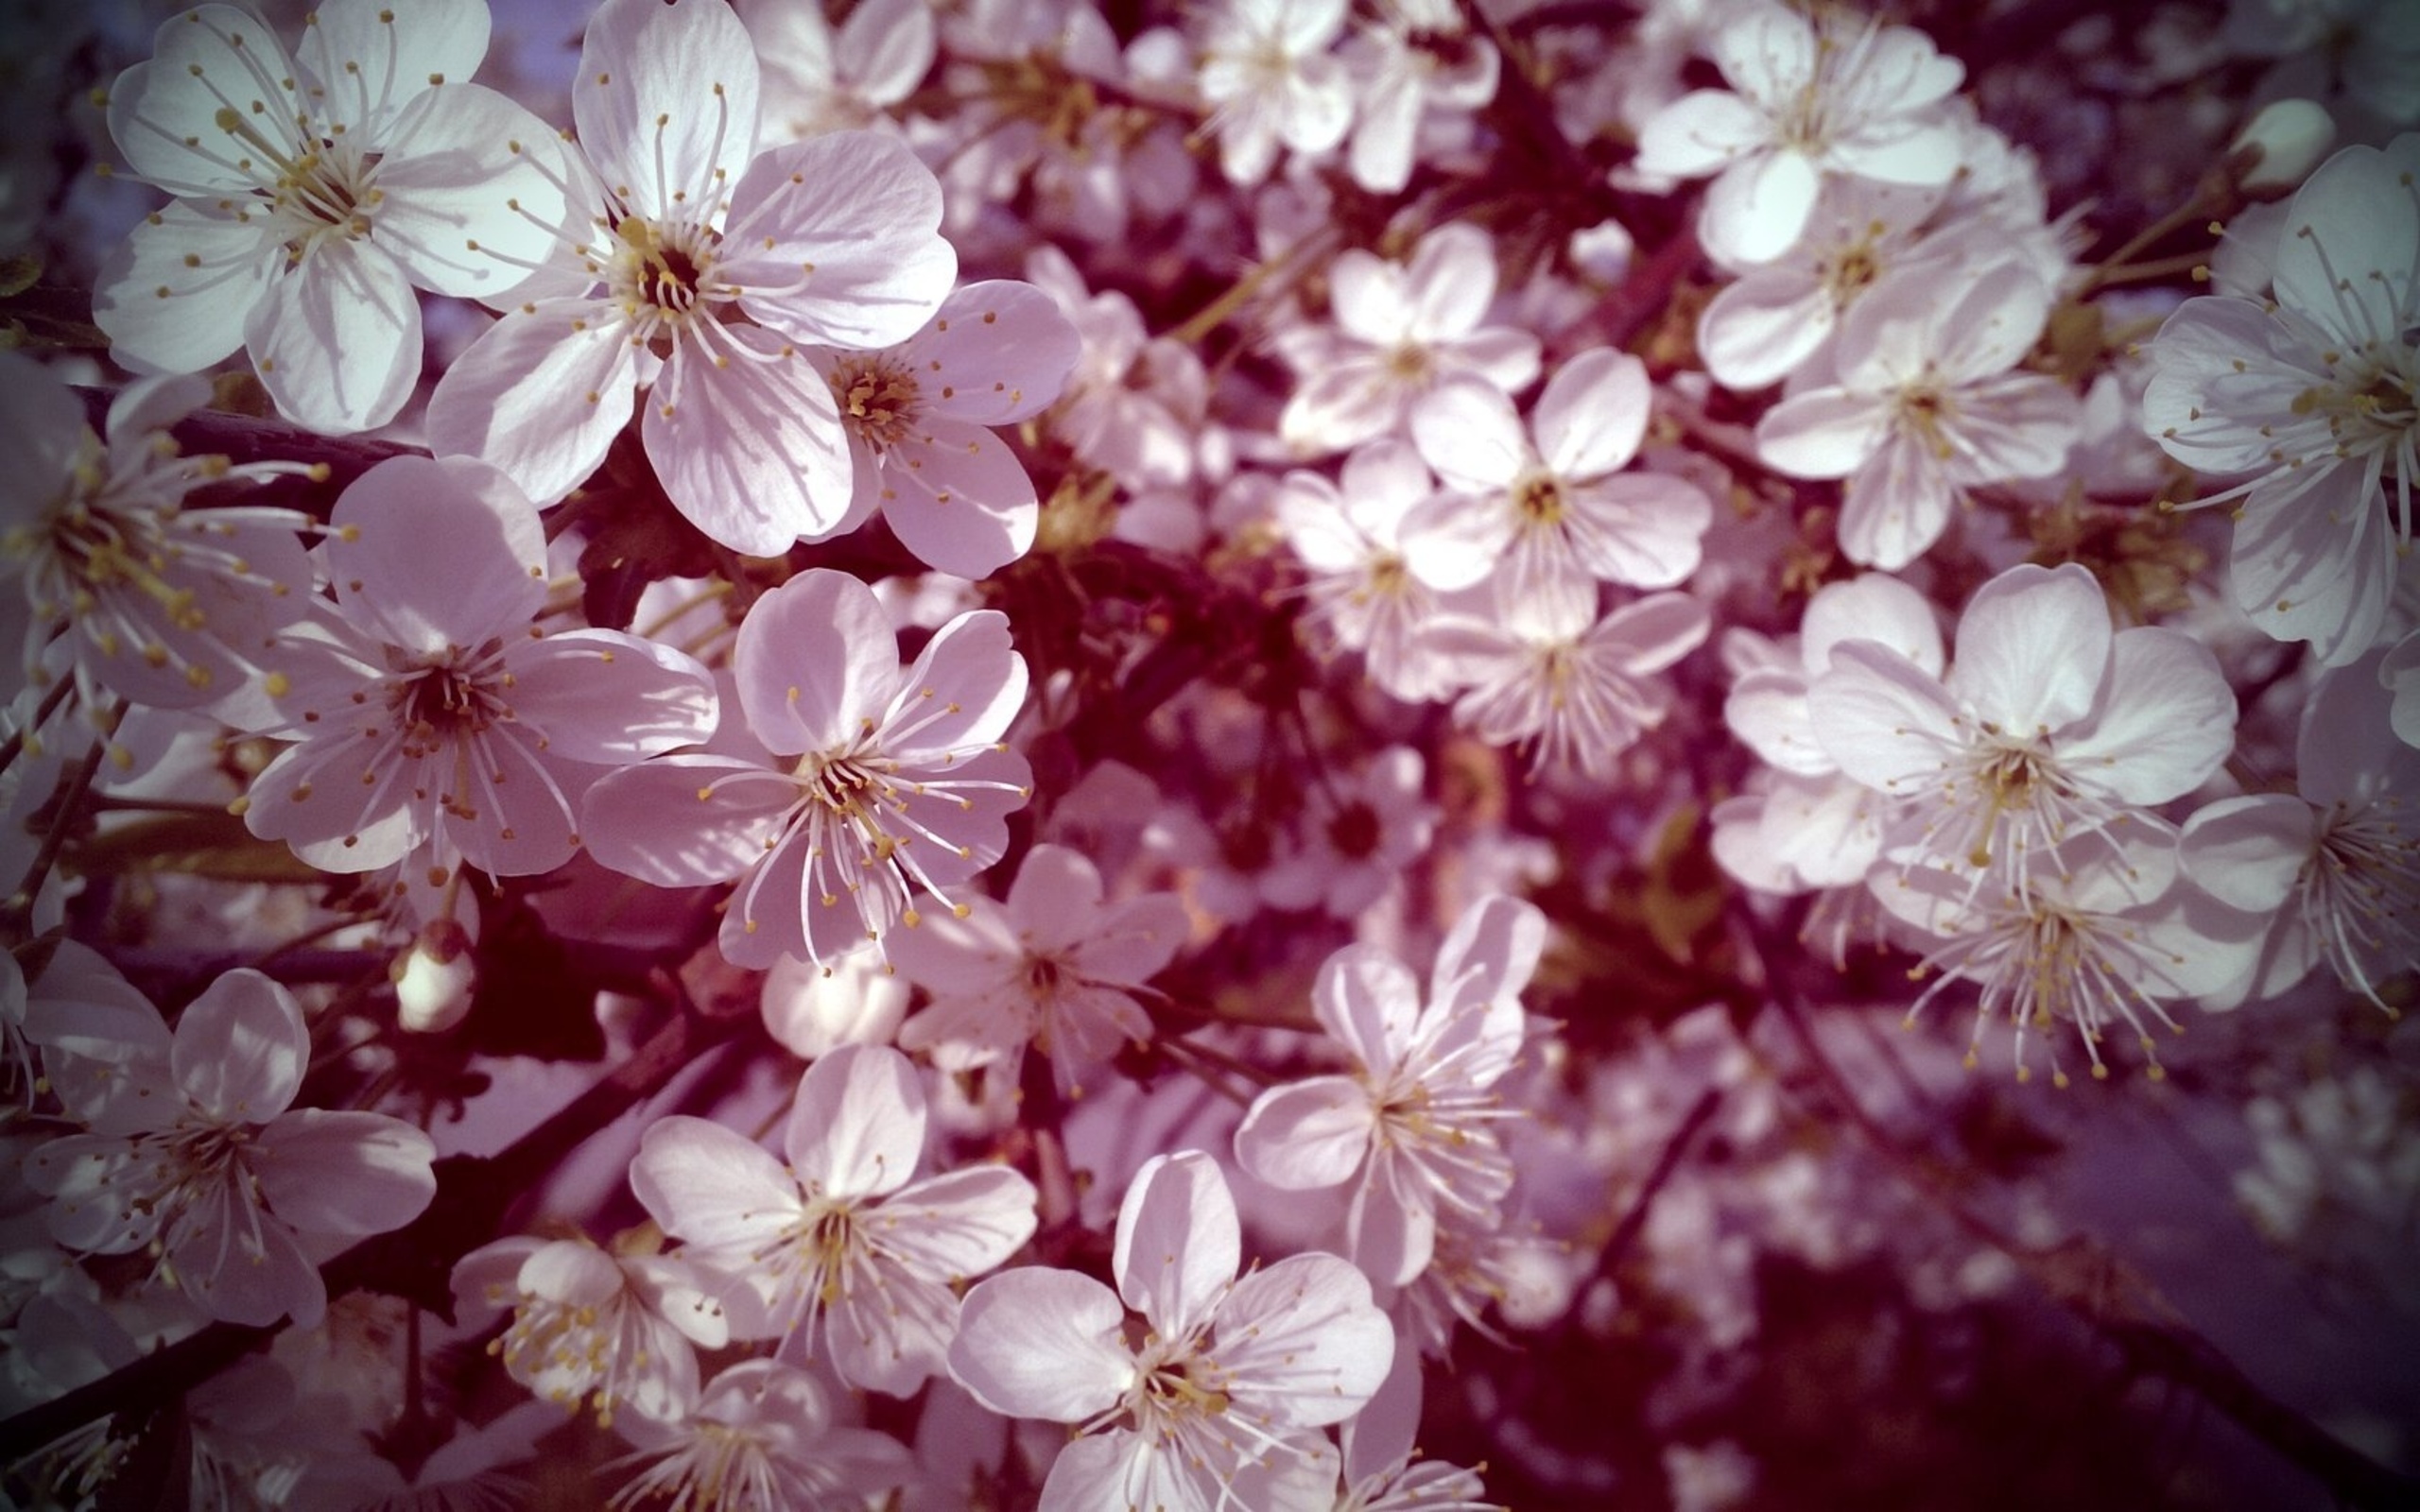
(814,1012)
(435,978)
(2280,146)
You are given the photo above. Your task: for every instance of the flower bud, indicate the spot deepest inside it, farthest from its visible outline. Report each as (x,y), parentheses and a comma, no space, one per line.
(2280,146)
(814,1010)
(435,978)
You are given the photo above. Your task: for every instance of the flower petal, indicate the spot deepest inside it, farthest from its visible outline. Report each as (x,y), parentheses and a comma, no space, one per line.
(541,394)
(435,553)
(665,105)
(1037,1343)
(858,1127)
(336,339)
(818,661)
(1312,1134)
(347,1173)
(1301,1343)
(748,441)
(855,216)
(164,314)
(240,1049)
(1178,1241)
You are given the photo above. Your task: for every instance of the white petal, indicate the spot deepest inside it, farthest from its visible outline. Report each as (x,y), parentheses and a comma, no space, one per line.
(1884,721)
(1593,414)
(862,213)
(2248,852)
(1178,1241)
(201,317)
(1467,432)
(954,1226)
(2165,723)
(747,440)
(471,196)
(240,1049)
(1823,432)
(1037,1343)
(541,394)
(336,339)
(1758,208)
(707,1185)
(1698,133)
(2033,648)
(373,57)
(858,1127)
(1368,1000)
(344,1172)
(666,102)
(1312,1134)
(164,115)
(648,822)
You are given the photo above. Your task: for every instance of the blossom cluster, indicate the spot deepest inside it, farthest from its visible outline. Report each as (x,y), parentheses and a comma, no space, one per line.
(1085,756)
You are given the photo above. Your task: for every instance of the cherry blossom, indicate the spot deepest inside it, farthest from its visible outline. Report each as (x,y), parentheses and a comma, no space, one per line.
(918,415)
(759,1435)
(820,78)
(430,715)
(847,780)
(2311,395)
(2050,726)
(1349,533)
(1216,1406)
(2335,863)
(1056,964)
(315,190)
(1271,82)
(1926,406)
(1549,506)
(1580,690)
(1409,1128)
(234,1193)
(1813,99)
(1400,331)
(163,605)
(836,1241)
(610,1330)
(2103,933)
(714,268)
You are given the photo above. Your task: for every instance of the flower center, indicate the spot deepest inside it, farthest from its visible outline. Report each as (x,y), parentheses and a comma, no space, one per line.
(879,400)
(1355,831)
(660,273)
(450,700)
(1538,499)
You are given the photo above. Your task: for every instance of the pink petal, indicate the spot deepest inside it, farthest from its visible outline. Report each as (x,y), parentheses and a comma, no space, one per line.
(666,102)
(240,1049)
(859,210)
(429,555)
(347,1173)
(964,689)
(818,661)
(541,394)
(1301,1344)
(958,498)
(1312,1134)
(1368,1000)
(1037,1343)
(472,181)
(1758,208)
(1178,1241)
(954,1226)
(747,440)
(651,824)
(706,1184)
(858,1127)
(997,352)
